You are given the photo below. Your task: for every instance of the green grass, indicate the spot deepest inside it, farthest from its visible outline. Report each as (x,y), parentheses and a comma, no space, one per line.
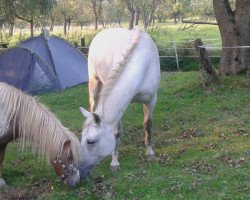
(200,136)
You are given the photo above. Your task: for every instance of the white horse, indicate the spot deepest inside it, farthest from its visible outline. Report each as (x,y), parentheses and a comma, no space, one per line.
(123,67)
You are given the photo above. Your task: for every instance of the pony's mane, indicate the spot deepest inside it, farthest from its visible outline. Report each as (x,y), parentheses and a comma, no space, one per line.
(35,123)
(119,65)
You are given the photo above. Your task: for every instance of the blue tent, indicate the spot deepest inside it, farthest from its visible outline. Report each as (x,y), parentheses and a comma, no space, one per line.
(39,65)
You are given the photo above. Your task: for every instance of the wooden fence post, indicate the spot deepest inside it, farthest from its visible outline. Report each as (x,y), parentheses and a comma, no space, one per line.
(176,56)
(83,48)
(205,60)
(83,44)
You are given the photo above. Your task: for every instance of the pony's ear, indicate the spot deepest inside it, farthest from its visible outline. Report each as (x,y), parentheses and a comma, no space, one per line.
(96,118)
(66,147)
(84,112)
(67,142)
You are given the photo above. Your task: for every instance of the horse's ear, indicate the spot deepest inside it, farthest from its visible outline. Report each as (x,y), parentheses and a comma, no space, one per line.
(66,147)
(67,142)
(96,118)
(84,112)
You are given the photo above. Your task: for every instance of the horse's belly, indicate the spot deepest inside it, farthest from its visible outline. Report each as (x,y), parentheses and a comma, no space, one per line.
(141,98)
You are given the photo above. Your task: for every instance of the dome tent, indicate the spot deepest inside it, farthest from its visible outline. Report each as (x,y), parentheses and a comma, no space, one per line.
(39,65)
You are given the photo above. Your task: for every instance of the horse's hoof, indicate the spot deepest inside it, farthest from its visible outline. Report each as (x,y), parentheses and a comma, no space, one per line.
(151,156)
(114,168)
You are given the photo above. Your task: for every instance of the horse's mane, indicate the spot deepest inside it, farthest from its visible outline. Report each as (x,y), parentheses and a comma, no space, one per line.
(119,65)
(35,123)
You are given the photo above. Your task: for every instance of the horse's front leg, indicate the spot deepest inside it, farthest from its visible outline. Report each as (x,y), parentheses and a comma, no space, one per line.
(148,109)
(2,154)
(115,165)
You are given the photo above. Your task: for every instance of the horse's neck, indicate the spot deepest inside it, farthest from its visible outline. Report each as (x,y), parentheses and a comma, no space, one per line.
(113,107)
(115,103)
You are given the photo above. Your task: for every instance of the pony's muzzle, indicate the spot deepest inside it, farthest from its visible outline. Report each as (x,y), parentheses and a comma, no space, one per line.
(73,179)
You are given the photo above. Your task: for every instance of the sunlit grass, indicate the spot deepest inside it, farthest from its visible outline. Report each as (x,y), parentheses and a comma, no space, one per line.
(200,136)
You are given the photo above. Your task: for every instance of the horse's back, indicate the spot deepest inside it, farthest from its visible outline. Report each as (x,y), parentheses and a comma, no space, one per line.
(106,49)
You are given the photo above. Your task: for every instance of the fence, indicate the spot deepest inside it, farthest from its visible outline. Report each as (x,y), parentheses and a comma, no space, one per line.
(181,55)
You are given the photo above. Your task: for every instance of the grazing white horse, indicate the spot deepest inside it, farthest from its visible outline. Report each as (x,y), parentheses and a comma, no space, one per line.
(123,67)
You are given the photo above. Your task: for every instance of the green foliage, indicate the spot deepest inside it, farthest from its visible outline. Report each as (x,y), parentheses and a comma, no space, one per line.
(200,136)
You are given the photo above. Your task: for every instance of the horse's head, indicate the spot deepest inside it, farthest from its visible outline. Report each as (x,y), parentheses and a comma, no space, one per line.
(97,142)
(65,167)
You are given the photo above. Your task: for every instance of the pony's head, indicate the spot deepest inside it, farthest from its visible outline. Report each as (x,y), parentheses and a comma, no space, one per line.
(65,167)
(97,142)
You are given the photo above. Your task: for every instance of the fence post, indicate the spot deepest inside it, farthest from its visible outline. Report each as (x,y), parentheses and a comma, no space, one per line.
(176,56)
(205,60)
(83,44)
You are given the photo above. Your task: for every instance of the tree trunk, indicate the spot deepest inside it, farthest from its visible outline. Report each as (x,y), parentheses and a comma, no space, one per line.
(32,27)
(137,15)
(69,22)
(51,26)
(11,30)
(65,26)
(96,23)
(144,20)
(131,21)
(175,19)
(235,32)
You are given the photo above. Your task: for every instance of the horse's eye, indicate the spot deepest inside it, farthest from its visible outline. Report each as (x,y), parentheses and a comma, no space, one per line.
(90,142)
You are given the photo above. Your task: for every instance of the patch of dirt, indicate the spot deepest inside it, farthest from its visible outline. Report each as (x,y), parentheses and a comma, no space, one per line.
(235,163)
(191,133)
(163,158)
(32,193)
(209,91)
(103,191)
(241,132)
(209,146)
(199,167)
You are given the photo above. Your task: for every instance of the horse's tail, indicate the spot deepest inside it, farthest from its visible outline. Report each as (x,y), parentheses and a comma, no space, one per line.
(121,62)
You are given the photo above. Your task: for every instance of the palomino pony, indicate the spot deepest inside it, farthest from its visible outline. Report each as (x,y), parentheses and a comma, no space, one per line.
(21,116)
(124,67)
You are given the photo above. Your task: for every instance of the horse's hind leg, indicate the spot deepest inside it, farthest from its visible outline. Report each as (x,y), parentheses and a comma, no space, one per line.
(2,154)
(95,86)
(115,165)
(148,109)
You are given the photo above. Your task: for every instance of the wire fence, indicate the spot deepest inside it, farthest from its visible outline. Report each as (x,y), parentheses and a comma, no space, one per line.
(181,55)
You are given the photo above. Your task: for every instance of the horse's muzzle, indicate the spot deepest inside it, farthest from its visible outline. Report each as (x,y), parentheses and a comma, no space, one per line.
(72,180)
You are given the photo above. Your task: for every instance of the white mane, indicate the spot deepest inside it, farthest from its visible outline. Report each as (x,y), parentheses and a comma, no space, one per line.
(119,65)
(34,122)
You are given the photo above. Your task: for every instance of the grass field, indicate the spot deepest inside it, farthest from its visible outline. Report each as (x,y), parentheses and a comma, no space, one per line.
(200,136)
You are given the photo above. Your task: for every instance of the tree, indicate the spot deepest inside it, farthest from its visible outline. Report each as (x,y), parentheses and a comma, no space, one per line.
(176,9)
(234,25)
(6,16)
(118,11)
(96,8)
(203,8)
(84,16)
(131,6)
(148,8)
(68,9)
(30,10)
